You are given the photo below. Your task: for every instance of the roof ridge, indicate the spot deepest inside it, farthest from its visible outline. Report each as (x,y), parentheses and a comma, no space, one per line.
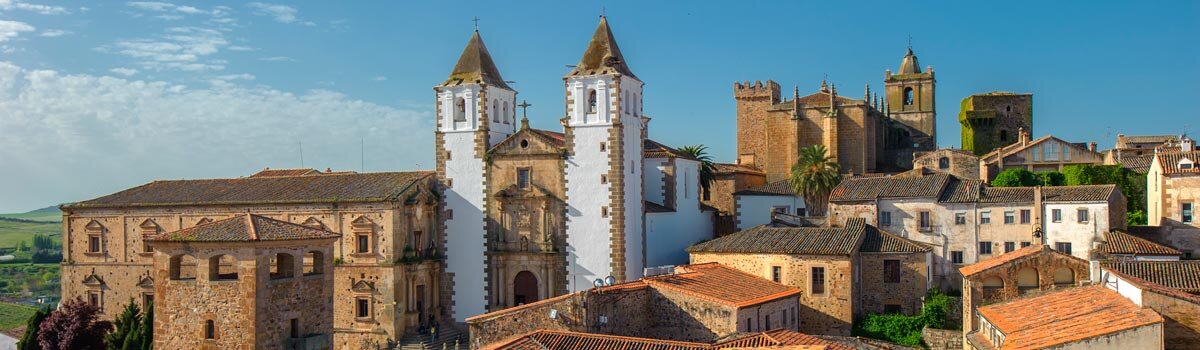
(252,227)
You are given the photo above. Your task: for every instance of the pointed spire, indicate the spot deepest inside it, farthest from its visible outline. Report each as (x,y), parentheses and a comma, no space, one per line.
(602,55)
(475,66)
(796,92)
(909,64)
(867,93)
(824,86)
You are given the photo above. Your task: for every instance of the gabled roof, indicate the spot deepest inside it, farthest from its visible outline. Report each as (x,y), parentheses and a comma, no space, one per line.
(880,241)
(962,191)
(475,66)
(268,172)
(602,55)
(789,240)
(1065,317)
(1139,164)
(653,149)
(994,155)
(1003,259)
(1169,161)
(544,339)
(777,188)
(1117,242)
(553,140)
(718,283)
(1083,193)
(1006,194)
(870,188)
(328,188)
(722,168)
(1146,139)
(244,228)
(1183,275)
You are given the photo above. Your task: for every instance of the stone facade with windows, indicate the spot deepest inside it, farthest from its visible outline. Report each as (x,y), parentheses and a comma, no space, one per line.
(957,162)
(1173,197)
(1030,270)
(1048,153)
(992,120)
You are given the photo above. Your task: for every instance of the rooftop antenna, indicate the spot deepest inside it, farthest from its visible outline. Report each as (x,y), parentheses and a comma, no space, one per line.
(476,20)
(601,10)
(910,41)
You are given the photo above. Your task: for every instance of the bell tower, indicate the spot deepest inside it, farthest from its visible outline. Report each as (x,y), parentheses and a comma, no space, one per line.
(604,127)
(475,110)
(910,100)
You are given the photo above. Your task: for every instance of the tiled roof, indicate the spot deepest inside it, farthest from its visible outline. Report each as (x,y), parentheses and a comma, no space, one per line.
(475,66)
(1006,194)
(326,188)
(1182,275)
(721,284)
(789,240)
(602,55)
(995,155)
(858,189)
(880,241)
(1117,242)
(962,191)
(244,228)
(777,188)
(821,99)
(1170,162)
(555,138)
(1085,193)
(652,207)
(1148,138)
(566,340)
(719,168)
(1139,164)
(268,172)
(780,337)
(653,149)
(1010,257)
(1065,317)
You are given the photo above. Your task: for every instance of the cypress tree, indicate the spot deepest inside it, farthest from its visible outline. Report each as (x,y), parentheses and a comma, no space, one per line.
(29,341)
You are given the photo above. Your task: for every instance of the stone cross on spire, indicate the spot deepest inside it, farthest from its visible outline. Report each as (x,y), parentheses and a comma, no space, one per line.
(524,114)
(476,20)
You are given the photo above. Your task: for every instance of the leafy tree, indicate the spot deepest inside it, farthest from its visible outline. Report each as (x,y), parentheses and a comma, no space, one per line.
(29,341)
(814,175)
(126,325)
(74,326)
(42,242)
(1051,178)
(1013,177)
(21,246)
(1132,185)
(700,152)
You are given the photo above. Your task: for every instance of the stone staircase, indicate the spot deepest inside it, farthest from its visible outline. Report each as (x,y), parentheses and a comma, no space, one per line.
(449,338)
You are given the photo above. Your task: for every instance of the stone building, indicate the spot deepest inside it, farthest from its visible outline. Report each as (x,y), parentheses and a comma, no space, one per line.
(778,339)
(1030,270)
(694,303)
(873,134)
(532,214)
(246,282)
(1121,246)
(960,163)
(1171,288)
(966,221)
(1140,145)
(844,273)
(992,120)
(389,253)
(1172,193)
(1048,153)
(727,180)
(759,205)
(1082,318)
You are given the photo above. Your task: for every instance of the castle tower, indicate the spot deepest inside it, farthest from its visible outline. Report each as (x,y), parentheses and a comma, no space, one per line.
(753,101)
(605,219)
(475,109)
(910,100)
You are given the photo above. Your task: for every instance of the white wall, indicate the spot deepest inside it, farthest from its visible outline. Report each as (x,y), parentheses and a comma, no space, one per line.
(635,220)
(588,252)
(653,181)
(669,234)
(502,122)
(1081,235)
(1125,288)
(754,210)
(464,229)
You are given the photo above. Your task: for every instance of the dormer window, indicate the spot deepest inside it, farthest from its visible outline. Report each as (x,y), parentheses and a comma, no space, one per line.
(460,110)
(1186,164)
(591,101)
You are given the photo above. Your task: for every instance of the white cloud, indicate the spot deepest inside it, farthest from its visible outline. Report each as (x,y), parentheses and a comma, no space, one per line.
(169,17)
(158,6)
(51,33)
(11,29)
(105,133)
(277,59)
(180,48)
(379,78)
(36,8)
(240,48)
(281,13)
(124,71)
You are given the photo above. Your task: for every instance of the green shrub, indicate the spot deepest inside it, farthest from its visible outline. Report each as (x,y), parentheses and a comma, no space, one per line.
(1013,177)
(906,330)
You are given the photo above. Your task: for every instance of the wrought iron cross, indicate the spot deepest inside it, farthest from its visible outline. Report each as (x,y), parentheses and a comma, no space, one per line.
(476,20)
(524,108)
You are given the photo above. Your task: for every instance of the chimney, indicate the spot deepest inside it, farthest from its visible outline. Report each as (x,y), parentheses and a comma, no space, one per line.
(1092,146)
(1023,135)
(1186,144)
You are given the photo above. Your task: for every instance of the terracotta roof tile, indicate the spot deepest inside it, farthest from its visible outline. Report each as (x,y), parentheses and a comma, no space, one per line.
(1117,242)
(1183,275)
(244,228)
(1139,164)
(859,189)
(653,149)
(719,168)
(268,172)
(1010,257)
(475,66)
(1148,138)
(1006,194)
(962,191)
(566,340)
(880,241)
(327,188)
(1065,317)
(1170,162)
(777,188)
(722,284)
(789,240)
(1086,193)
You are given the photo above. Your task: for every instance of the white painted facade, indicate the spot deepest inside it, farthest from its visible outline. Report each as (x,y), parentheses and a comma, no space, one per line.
(669,234)
(1128,290)
(755,209)
(1083,235)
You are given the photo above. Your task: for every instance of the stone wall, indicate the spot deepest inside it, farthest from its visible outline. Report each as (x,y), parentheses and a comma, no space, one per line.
(1181,319)
(992,120)
(625,312)
(961,163)
(678,316)
(876,293)
(1044,264)
(942,339)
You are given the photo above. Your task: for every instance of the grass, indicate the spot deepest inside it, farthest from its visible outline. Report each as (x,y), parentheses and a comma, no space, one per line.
(13,315)
(19,227)
(45,214)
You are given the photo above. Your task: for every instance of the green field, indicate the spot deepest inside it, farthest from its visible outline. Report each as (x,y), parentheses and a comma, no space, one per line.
(19,227)
(13,315)
(45,214)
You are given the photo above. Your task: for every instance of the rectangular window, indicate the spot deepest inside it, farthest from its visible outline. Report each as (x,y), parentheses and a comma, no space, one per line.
(1056,215)
(985,248)
(147,299)
(362,308)
(1025,216)
(748,323)
(885,218)
(1082,215)
(960,218)
(768,319)
(891,309)
(781,209)
(985,218)
(1186,216)
(294,327)
(1025,244)
(1064,247)
(146,246)
(891,271)
(523,178)
(363,243)
(956,257)
(603,212)
(94,244)
(776,273)
(94,299)
(603,178)
(1010,246)
(1010,217)
(603,147)
(818,280)
(801,212)
(925,224)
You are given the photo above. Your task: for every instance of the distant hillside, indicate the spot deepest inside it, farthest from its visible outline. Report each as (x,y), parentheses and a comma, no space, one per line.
(18,227)
(47,214)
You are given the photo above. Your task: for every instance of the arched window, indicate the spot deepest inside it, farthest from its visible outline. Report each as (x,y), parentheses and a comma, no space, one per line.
(460,110)
(210,329)
(314,263)
(591,101)
(525,288)
(495,111)
(222,268)
(1064,277)
(908,96)
(284,266)
(507,115)
(183,267)
(628,102)
(1027,280)
(943,163)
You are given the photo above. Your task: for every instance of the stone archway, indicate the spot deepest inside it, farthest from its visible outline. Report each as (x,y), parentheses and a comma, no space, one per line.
(525,288)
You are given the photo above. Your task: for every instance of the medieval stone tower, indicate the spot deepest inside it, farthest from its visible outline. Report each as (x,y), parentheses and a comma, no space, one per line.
(910,100)
(604,168)
(475,109)
(995,119)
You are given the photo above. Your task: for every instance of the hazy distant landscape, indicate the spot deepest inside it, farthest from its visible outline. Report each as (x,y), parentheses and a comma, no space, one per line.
(22,281)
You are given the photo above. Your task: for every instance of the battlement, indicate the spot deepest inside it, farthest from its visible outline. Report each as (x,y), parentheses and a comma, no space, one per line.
(747,90)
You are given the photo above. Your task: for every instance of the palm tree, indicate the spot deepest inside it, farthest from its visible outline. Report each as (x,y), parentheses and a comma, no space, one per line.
(700,152)
(815,175)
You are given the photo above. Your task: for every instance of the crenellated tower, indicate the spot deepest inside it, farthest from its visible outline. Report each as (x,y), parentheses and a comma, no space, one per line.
(604,167)
(910,100)
(475,109)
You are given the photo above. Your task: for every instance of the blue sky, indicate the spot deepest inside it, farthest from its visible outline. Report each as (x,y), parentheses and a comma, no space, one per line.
(96,97)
